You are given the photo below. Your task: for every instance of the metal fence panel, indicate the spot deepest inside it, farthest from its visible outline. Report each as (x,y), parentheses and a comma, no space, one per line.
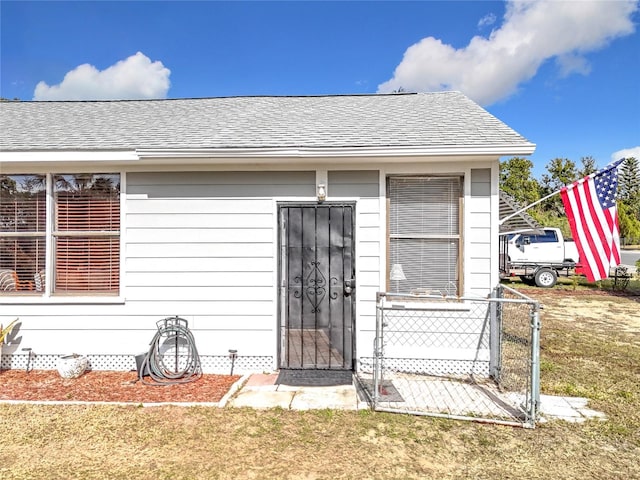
(456,357)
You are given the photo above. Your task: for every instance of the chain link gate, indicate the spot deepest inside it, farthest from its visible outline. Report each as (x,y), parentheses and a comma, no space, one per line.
(455,357)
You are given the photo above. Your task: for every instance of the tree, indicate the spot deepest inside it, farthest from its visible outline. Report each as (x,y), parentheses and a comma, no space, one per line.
(629,199)
(517,181)
(562,172)
(588,166)
(629,182)
(629,223)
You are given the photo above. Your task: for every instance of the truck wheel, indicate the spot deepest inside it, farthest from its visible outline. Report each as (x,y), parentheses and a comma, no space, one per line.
(546,278)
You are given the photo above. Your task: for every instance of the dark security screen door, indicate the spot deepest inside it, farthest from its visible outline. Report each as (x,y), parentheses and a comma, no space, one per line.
(317,286)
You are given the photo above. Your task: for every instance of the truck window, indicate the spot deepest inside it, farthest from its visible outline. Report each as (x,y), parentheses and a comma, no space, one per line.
(549,236)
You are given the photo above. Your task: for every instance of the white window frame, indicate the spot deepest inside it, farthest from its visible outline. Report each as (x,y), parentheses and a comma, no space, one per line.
(459,237)
(48,296)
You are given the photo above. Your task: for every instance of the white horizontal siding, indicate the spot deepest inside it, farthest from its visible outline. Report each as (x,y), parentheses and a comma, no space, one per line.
(98,341)
(180,293)
(479,241)
(199,250)
(190,251)
(255,343)
(58,315)
(126,322)
(480,220)
(201,243)
(141,204)
(368,206)
(369,278)
(200,264)
(479,280)
(94,340)
(479,236)
(203,306)
(199,235)
(368,292)
(369,264)
(479,265)
(191,279)
(369,248)
(367,307)
(479,204)
(369,219)
(198,220)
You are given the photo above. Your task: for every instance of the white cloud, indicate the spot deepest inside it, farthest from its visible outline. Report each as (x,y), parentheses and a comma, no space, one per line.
(135,77)
(487,20)
(533,31)
(626,153)
(571,63)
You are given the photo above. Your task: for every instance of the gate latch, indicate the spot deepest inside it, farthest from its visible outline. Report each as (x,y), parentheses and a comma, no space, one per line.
(349,285)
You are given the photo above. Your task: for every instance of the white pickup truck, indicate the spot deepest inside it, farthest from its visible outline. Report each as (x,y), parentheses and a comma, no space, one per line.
(538,257)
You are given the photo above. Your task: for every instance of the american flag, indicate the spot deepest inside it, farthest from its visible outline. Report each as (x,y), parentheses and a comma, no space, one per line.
(591,209)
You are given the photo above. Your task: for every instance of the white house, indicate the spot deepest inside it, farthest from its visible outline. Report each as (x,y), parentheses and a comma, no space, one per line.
(268,223)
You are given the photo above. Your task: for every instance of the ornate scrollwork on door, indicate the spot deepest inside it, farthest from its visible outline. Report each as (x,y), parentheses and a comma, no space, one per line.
(314,286)
(334,283)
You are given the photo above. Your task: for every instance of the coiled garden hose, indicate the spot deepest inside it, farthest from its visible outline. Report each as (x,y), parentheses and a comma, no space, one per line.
(172,357)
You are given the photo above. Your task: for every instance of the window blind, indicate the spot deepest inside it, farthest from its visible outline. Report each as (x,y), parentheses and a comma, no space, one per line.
(424,232)
(87,233)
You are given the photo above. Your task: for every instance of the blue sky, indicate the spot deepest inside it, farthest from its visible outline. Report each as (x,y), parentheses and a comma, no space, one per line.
(566,75)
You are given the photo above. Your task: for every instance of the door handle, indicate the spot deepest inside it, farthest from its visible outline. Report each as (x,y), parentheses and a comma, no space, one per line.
(349,285)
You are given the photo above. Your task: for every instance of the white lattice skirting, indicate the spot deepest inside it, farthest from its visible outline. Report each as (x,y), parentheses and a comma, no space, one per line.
(220,364)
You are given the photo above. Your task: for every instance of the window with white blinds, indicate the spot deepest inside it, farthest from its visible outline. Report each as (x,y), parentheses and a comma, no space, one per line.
(424,234)
(83,234)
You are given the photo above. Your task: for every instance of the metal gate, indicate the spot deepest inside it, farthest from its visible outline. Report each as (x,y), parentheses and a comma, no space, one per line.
(316,286)
(463,358)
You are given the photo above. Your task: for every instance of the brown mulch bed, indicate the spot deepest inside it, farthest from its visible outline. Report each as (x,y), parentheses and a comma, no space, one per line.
(103,386)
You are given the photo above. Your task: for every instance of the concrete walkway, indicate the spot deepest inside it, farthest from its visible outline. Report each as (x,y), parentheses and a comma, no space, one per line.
(569,409)
(261,391)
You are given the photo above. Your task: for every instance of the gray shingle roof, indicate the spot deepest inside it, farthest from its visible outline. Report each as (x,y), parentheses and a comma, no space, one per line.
(342,121)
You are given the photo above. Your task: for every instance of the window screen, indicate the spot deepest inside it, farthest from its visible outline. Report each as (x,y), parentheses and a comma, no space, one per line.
(424,233)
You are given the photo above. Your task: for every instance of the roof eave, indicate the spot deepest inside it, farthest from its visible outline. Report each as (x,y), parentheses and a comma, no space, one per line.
(268,154)
(345,152)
